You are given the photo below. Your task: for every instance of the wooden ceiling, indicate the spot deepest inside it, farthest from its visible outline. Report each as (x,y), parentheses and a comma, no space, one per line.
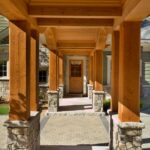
(75,24)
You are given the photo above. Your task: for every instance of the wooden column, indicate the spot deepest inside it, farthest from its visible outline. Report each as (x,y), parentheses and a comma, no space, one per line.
(91,70)
(19,56)
(53,71)
(115,71)
(129,72)
(34,71)
(98,66)
(61,70)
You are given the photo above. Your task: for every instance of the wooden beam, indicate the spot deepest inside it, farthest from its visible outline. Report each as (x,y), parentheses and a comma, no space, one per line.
(19,56)
(54,22)
(52,71)
(129,72)
(101,39)
(16,10)
(98,70)
(50,39)
(115,71)
(76,44)
(81,52)
(49,11)
(135,10)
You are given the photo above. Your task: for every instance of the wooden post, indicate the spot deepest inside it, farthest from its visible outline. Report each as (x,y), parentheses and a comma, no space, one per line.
(98,70)
(115,71)
(91,70)
(34,59)
(129,72)
(53,71)
(19,56)
(61,71)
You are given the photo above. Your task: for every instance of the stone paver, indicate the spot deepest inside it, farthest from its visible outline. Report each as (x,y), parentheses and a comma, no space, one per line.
(74,130)
(3,132)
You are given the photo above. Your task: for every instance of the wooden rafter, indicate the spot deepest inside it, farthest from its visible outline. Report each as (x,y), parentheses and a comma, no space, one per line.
(54,22)
(74,11)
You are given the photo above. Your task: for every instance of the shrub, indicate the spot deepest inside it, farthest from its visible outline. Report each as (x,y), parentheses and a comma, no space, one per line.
(106,104)
(4,109)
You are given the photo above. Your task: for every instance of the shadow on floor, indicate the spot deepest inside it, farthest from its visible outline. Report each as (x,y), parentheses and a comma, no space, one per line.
(146,140)
(75,107)
(68,147)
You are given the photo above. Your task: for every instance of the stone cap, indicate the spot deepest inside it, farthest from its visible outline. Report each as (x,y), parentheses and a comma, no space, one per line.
(20,123)
(52,92)
(61,85)
(131,125)
(98,92)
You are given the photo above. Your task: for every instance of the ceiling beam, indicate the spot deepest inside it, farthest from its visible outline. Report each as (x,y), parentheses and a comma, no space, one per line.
(101,39)
(135,10)
(74,11)
(50,39)
(54,22)
(16,10)
(81,52)
(75,44)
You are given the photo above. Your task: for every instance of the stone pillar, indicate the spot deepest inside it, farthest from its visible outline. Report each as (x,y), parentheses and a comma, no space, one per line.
(24,135)
(34,71)
(115,71)
(98,93)
(61,76)
(127,128)
(90,91)
(126,135)
(53,93)
(23,127)
(90,85)
(98,99)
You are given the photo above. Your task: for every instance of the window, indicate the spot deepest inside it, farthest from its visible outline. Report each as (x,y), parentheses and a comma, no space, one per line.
(3,68)
(75,70)
(43,76)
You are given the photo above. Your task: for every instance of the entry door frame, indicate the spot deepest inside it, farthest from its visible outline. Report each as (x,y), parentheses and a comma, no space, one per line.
(70,74)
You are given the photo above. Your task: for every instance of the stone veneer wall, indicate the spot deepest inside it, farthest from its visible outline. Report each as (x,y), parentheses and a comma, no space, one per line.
(125,135)
(4,88)
(24,135)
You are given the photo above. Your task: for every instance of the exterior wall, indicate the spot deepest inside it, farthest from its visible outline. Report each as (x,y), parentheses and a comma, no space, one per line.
(107,87)
(85,72)
(145,79)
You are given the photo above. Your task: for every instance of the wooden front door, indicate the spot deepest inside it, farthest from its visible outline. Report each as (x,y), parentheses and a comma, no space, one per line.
(76,77)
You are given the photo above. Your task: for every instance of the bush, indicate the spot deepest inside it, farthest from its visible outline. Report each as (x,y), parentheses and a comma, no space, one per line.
(106,104)
(4,109)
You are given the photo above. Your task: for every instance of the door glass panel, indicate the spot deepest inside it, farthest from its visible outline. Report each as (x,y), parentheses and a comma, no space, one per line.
(75,70)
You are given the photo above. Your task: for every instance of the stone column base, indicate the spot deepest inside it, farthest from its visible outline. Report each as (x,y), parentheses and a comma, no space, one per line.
(61,91)
(98,98)
(24,135)
(53,101)
(127,135)
(90,91)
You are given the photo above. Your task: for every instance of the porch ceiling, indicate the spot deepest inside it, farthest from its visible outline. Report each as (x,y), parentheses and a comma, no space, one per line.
(75,23)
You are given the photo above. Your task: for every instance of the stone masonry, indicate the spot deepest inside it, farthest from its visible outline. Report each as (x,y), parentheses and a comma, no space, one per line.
(98,98)
(24,135)
(61,91)
(90,91)
(4,88)
(127,135)
(53,101)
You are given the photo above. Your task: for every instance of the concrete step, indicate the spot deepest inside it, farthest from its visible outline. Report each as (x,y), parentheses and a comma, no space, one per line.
(74,148)
(74,113)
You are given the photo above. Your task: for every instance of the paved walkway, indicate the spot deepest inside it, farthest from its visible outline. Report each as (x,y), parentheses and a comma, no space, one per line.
(76,132)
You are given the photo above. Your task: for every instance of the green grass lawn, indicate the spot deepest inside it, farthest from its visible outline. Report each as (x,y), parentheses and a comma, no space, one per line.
(4,109)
